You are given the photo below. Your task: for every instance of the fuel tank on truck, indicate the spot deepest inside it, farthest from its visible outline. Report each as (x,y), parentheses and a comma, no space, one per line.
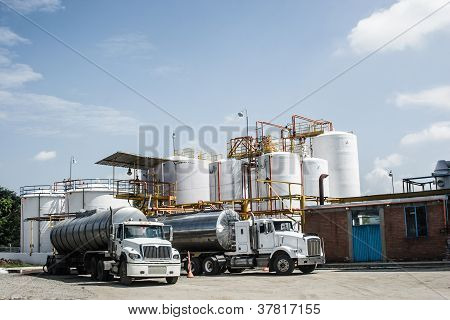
(90,230)
(204,231)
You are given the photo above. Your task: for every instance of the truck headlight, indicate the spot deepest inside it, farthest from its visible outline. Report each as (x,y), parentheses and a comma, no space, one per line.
(176,256)
(134,256)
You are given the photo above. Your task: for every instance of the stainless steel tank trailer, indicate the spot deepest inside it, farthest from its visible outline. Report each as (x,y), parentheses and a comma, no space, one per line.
(219,241)
(116,242)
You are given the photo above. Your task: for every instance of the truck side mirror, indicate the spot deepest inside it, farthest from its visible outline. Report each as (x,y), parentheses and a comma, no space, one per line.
(171,234)
(168,230)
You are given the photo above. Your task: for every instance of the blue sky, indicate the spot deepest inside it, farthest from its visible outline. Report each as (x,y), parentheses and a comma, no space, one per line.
(203,61)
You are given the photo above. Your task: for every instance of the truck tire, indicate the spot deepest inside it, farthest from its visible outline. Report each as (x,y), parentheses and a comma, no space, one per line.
(283,264)
(124,279)
(211,266)
(196,266)
(102,274)
(307,269)
(171,280)
(93,268)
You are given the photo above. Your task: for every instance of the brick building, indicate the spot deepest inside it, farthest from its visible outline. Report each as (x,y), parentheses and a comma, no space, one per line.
(383,229)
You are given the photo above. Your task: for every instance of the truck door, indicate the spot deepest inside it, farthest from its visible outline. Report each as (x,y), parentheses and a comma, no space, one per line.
(266,235)
(118,240)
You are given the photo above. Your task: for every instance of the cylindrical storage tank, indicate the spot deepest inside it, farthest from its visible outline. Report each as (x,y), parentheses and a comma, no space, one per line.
(192,181)
(90,230)
(340,149)
(225,180)
(279,167)
(204,231)
(93,196)
(442,174)
(36,234)
(312,169)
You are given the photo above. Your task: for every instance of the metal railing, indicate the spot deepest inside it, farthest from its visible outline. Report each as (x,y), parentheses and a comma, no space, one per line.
(40,189)
(81,184)
(10,249)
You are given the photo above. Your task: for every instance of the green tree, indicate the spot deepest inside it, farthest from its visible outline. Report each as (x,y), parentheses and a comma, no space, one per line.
(9,218)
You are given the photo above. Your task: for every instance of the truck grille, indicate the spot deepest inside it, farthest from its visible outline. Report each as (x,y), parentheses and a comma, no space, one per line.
(156,252)
(313,247)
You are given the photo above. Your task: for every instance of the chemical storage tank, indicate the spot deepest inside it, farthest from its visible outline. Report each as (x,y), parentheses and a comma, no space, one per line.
(225,180)
(340,149)
(90,230)
(192,181)
(442,174)
(284,167)
(38,201)
(204,231)
(312,169)
(90,194)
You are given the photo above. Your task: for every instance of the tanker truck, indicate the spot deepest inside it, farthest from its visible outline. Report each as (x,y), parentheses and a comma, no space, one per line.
(115,242)
(218,241)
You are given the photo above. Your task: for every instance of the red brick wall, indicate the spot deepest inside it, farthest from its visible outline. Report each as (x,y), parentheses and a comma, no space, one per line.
(399,247)
(331,225)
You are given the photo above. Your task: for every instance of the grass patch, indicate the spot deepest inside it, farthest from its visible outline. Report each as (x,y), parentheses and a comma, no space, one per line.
(13,264)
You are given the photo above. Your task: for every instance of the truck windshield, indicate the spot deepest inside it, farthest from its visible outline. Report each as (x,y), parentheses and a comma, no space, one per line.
(283,226)
(143,232)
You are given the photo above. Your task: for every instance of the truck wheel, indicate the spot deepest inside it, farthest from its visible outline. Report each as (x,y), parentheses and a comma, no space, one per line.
(102,274)
(283,265)
(171,280)
(93,268)
(196,266)
(307,269)
(211,266)
(124,279)
(235,270)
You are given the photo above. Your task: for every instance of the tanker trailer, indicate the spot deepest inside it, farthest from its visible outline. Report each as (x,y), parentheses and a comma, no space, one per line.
(115,242)
(218,241)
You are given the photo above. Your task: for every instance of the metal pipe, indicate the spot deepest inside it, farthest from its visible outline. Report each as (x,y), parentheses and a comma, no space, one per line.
(321,191)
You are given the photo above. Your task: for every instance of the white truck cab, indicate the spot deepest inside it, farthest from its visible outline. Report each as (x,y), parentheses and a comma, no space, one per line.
(141,250)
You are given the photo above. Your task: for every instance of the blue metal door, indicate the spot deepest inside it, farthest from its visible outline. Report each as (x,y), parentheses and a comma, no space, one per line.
(367,243)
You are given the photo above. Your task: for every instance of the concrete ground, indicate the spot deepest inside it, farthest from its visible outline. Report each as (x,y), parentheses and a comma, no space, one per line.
(411,283)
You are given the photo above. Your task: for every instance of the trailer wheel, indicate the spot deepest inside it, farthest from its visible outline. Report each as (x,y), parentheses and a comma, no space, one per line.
(124,279)
(171,280)
(307,268)
(196,266)
(283,264)
(93,268)
(211,266)
(102,274)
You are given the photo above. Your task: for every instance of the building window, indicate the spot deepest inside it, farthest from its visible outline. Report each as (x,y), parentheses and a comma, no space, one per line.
(416,222)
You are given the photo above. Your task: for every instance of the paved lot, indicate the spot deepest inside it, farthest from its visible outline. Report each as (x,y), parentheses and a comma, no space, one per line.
(323,284)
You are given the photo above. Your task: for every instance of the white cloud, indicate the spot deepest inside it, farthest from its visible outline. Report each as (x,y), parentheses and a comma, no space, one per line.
(134,45)
(45,155)
(27,6)
(383,25)
(3,115)
(39,114)
(9,38)
(438,131)
(436,98)
(166,71)
(16,74)
(378,180)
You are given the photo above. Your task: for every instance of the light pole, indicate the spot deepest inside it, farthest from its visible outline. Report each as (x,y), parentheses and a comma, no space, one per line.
(173,142)
(72,162)
(241,115)
(391,174)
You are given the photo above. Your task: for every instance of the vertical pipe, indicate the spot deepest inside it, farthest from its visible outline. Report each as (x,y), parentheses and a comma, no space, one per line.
(39,223)
(321,191)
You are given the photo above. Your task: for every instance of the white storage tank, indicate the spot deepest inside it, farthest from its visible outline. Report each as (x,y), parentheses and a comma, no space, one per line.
(279,166)
(312,169)
(192,181)
(442,174)
(225,180)
(35,235)
(90,194)
(340,149)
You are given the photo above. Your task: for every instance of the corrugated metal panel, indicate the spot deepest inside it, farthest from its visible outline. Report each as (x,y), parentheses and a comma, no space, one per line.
(367,243)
